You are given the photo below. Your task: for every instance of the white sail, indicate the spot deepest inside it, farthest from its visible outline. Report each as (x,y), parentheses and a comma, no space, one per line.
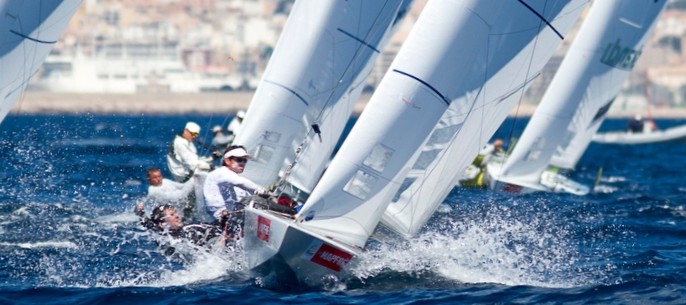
(474,117)
(314,77)
(453,50)
(598,62)
(29,31)
(317,150)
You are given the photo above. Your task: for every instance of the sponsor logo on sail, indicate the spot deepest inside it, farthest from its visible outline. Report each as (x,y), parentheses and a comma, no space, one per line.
(615,55)
(264,226)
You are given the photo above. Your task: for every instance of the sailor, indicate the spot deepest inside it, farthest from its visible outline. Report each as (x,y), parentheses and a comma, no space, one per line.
(182,158)
(165,191)
(649,125)
(492,152)
(220,141)
(473,175)
(235,124)
(165,220)
(224,188)
(635,124)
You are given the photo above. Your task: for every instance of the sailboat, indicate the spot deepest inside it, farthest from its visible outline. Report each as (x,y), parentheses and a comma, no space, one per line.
(28,32)
(591,75)
(453,49)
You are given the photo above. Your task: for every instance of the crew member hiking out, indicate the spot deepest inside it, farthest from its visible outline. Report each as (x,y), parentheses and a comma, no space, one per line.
(224,189)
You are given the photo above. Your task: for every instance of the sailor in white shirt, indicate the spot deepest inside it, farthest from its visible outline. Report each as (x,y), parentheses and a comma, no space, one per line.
(164,191)
(235,124)
(224,188)
(220,141)
(182,158)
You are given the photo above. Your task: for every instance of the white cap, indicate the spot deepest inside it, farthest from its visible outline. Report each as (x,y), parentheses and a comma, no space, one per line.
(236,152)
(216,128)
(192,127)
(240,113)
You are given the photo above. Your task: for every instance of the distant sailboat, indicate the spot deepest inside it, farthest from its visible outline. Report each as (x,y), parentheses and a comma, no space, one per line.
(28,32)
(454,48)
(591,75)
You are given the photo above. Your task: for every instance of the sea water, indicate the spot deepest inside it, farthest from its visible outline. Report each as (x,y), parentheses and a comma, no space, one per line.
(68,234)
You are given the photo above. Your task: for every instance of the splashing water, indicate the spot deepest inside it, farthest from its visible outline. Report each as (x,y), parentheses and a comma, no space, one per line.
(492,243)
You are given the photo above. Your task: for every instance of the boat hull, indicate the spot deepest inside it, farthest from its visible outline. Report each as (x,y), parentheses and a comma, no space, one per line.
(670,134)
(550,181)
(274,241)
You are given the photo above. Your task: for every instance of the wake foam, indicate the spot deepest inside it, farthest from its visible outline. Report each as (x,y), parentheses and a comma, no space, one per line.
(510,245)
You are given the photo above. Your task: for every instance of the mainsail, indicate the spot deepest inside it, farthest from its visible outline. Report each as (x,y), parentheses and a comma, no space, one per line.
(311,84)
(28,32)
(462,64)
(598,62)
(633,22)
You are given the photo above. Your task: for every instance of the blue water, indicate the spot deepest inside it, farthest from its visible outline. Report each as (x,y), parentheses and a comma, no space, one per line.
(67,234)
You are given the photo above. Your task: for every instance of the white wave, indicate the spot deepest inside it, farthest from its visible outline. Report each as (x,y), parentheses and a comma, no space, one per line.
(208,267)
(43,244)
(199,266)
(605,189)
(493,250)
(125,217)
(613,179)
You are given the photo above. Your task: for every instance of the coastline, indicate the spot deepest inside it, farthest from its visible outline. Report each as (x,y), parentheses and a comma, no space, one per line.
(35,102)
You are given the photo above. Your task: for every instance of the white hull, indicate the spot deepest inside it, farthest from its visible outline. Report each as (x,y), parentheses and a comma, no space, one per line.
(670,134)
(549,182)
(275,241)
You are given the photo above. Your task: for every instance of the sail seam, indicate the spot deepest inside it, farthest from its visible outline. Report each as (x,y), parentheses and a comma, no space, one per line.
(542,18)
(289,90)
(358,39)
(447,102)
(31,38)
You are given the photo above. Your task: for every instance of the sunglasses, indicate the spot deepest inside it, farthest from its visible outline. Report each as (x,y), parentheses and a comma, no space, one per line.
(195,134)
(239,159)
